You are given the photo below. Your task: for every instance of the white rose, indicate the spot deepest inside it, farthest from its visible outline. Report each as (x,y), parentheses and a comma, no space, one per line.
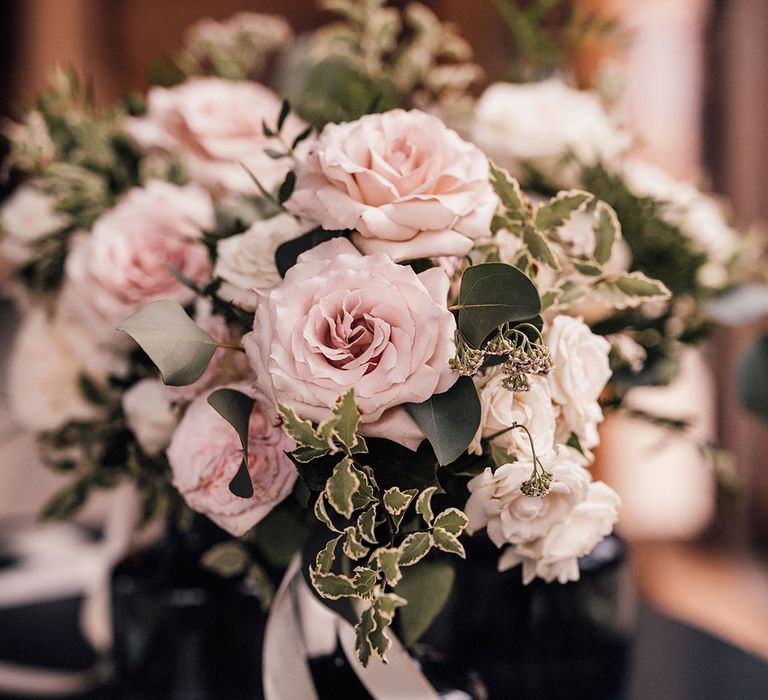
(48,358)
(26,216)
(246,262)
(150,414)
(500,408)
(542,123)
(497,503)
(556,555)
(579,375)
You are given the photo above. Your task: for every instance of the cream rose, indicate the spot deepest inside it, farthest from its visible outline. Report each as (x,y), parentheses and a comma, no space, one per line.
(216,126)
(150,414)
(579,375)
(246,262)
(542,123)
(205,454)
(556,555)
(25,217)
(340,320)
(408,186)
(500,408)
(497,503)
(123,263)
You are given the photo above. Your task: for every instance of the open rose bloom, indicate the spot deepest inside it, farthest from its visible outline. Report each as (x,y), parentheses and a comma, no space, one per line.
(365,330)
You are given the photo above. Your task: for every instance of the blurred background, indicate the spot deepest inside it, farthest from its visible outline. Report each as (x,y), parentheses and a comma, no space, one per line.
(692,75)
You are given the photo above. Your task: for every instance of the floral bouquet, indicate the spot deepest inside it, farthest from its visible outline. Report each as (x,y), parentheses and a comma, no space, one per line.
(356,339)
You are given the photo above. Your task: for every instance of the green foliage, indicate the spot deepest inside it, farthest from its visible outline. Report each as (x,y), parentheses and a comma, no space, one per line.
(227,559)
(379,526)
(427,588)
(558,210)
(752,378)
(236,408)
(288,252)
(174,342)
(449,420)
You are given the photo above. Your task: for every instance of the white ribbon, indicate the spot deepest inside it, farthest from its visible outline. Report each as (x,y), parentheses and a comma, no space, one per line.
(299,626)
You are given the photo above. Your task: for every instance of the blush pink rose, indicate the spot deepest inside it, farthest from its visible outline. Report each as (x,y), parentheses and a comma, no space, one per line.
(216,127)
(123,263)
(340,320)
(408,185)
(205,454)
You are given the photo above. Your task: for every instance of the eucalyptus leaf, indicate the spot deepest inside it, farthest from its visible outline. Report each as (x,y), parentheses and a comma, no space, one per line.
(236,408)
(493,294)
(449,420)
(180,349)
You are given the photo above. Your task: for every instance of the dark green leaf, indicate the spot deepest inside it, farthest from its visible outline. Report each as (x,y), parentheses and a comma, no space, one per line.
(285,110)
(235,407)
(427,587)
(286,189)
(449,420)
(752,378)
(288,252)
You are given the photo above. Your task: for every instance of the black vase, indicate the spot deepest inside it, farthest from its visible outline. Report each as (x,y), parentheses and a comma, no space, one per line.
(543,641)
(182,632)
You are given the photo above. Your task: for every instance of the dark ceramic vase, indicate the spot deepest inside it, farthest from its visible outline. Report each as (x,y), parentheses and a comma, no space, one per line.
(180,631)
(541,641)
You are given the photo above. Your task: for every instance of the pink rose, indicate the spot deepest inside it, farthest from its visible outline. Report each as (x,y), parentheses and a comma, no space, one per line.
(409,186)
(123,263)
(216,127)
(205,454)
(339,320)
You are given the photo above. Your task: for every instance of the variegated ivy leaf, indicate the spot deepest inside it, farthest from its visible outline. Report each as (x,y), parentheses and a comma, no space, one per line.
(180,349)
(414,548)
(346,416)
(353,546)
(448,542)
(539,248)
(571,291)
(341,486)
(321,513)
(310,444)
(629,290)
(364,494)
(366,525)
(257,581)
(550,298)
(388,561)
(396,501)
(560,208)
(333,586)
(512,198)
(326,556)
(424,504)
(607,230)
(452,520)
(371,630)
(586,267)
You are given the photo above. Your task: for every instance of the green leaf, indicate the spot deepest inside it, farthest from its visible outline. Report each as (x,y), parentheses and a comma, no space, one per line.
(310,444)
(236,408)
(452,520)
(752,378)
(266,129)
(321,513)
(365,627)
(366,524)
(227,559)
(427,588)
(353,546)
(449,420)
(346,416)
(629,290)
(607,231)
(560,208)
(493,294)
(333,586)
(327,555)
(510,194)
(424,504)
(414,548)
(388,561)
(180,349)
(286,188)
(586,267)
(288,252)
(396,501)
(285,110)
(301,137)
(275,154)
(448,542)
(539,248)
(343,483)
(257,581)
